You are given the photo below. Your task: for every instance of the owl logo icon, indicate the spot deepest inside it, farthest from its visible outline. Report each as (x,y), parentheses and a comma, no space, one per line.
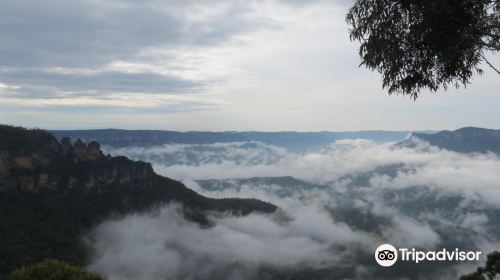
(386,255)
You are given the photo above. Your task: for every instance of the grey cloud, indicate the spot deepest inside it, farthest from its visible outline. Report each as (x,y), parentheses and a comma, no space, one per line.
(100,83)
(77,33)
(89,33)
(85,36)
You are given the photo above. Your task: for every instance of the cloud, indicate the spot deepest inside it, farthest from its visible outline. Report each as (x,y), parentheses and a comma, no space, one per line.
(94,33)
(423,166)
(107,49)
(101,82)
(127,102)
(246,53)
(164,245)
(342,202)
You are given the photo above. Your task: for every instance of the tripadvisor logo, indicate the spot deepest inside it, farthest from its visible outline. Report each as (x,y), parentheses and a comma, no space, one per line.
(387,255)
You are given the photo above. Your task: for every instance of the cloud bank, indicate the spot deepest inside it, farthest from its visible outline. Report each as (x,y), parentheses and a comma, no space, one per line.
(341,203)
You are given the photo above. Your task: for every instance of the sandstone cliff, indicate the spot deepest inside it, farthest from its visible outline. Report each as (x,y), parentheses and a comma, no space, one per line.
(38,162)
(33,162)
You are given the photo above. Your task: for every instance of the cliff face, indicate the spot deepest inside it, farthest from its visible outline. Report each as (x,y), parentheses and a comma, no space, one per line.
(34,162)
(43,164)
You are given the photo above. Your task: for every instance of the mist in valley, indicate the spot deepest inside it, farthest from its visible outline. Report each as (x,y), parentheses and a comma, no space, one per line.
(337,203)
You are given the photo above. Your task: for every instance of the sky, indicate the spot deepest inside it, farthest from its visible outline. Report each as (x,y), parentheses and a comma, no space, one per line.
(209,65)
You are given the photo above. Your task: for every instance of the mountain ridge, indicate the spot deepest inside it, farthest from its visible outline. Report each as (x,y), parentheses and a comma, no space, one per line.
(292,140)
(466,139)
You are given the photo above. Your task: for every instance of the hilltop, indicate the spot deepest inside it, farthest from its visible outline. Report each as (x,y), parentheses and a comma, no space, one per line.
(465,140)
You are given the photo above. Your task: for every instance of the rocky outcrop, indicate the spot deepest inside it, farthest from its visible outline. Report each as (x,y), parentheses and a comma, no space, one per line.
(79,151)
(49,165)
(33,162)
(23,162)
(4,164)
(66,147)
(94,151)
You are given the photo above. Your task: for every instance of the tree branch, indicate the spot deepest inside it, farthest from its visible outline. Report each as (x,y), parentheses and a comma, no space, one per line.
(491,65)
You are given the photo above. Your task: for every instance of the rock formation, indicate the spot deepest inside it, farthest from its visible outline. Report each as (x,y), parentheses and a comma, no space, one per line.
(48,165)
(67,149)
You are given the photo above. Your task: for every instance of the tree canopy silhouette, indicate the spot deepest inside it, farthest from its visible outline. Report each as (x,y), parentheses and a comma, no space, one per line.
(51,269)
(490,271)
(425,44)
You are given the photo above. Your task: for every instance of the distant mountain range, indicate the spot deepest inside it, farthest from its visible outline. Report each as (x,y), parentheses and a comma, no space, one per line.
(293,141)
(465,140)
(287,185)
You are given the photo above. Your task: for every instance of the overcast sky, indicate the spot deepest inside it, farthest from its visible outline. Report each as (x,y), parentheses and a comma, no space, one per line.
(208,65)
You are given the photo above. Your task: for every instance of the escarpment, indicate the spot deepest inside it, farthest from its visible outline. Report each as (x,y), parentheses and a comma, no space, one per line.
(42,164)
(35,162)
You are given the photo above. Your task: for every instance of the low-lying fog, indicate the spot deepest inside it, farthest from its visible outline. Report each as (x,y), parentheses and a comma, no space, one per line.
(337,204)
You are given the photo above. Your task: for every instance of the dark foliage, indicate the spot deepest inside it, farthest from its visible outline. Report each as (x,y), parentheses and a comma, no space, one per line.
(22,140)
(36,226)
(490,271)
(425,44)
(53,270)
